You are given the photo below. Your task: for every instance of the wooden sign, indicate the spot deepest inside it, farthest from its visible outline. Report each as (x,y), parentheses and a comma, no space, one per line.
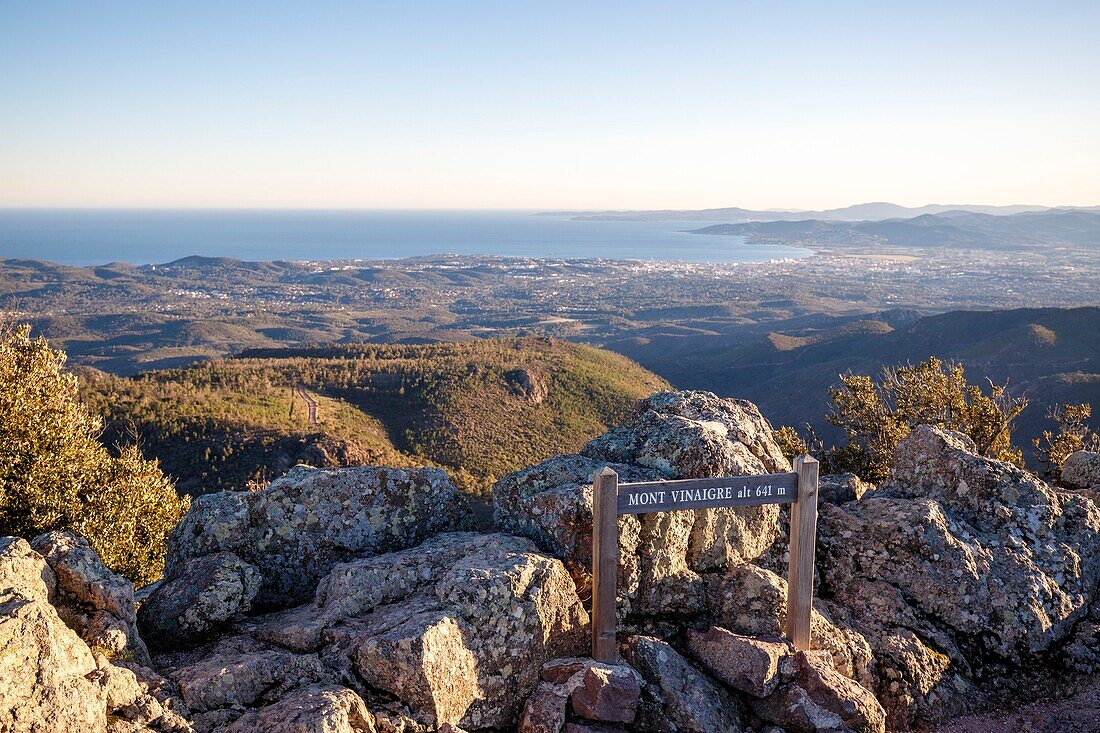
(611,499)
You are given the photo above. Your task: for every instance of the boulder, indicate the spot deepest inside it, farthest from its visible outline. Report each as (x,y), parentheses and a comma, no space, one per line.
(987,550)
(209,591)
(956,566)
(841,488)
(607,693)
(239,673)
(314,709)
(745,663)
(673,435)
(818,699)
(691,435)
(676,696)
(593,690)
(1081,470)
(47,673)
(752,601)
(301,525)
(95,601)
(456,628)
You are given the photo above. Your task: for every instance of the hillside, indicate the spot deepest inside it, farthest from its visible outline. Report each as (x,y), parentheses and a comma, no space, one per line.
(486,407)
(954,229)
(1052,355)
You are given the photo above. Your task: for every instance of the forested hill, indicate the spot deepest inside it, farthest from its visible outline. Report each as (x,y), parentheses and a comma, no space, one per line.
(1051,355)
(480,409)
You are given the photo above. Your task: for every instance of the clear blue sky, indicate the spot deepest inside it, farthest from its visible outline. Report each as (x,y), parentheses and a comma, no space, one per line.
(540,105)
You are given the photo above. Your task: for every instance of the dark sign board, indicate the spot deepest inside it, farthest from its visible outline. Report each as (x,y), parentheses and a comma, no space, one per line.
(707,493)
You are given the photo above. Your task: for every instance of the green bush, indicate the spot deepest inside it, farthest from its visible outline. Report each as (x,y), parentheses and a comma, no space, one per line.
(876,414)
(55,474)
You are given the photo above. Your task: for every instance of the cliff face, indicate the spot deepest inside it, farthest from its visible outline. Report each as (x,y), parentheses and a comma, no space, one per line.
(353,600)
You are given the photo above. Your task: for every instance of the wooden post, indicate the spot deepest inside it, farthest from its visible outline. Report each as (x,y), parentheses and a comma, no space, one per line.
(605,563)
(800,578)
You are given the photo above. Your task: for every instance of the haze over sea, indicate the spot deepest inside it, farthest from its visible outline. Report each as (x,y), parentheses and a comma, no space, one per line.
(96,236)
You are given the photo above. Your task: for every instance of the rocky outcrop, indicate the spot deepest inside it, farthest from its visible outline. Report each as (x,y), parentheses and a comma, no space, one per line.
(301,525)
(1081,470)
(187,609)
(662,556)
(94,601)
(958,566)
(50,680)
(456,629)
(46,670)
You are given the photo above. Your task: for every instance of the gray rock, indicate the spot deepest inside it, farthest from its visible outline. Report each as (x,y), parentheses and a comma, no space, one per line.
(240,673)
(662,556)
(678,697)
(957,559)
(1081,470)
(456,628)
(314,709)
(301,525)
(752,601)
(188,608)
(46,670)
(841,488)
(95,601)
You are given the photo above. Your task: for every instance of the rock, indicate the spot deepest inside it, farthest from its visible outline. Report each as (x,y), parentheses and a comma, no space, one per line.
(753,601)
(467,651)
(531,384)
(607,693)
(46,670)
(596,691)
(841,488)
(677,697)
(1081,469)
(209,591)
(95,601)
(956,565)
(545,710)
(456,628)
(297,528)
(662,556)
(820,699)
(240,672)
(745,663)
(314,709)
(983,548)
(692,435)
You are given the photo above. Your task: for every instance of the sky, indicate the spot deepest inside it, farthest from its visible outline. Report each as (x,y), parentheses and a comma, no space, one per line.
(562,105)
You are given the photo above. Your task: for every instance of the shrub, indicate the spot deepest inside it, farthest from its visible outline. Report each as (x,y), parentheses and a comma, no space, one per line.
(55,474)
(1073,435)
(876,415)
(790,442)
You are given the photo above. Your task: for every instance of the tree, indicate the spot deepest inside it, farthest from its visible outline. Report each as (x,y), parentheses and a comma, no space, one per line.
(1073,435)
(55,474)
(876,415)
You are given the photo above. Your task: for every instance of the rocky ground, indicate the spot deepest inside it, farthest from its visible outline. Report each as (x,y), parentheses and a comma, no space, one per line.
(357,600)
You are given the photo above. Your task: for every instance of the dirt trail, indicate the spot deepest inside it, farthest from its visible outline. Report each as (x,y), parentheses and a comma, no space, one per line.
(310,402)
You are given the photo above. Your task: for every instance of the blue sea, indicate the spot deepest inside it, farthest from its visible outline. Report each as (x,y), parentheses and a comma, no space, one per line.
(94,237)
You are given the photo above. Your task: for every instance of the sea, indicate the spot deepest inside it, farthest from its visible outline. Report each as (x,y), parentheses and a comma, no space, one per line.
(100,236)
